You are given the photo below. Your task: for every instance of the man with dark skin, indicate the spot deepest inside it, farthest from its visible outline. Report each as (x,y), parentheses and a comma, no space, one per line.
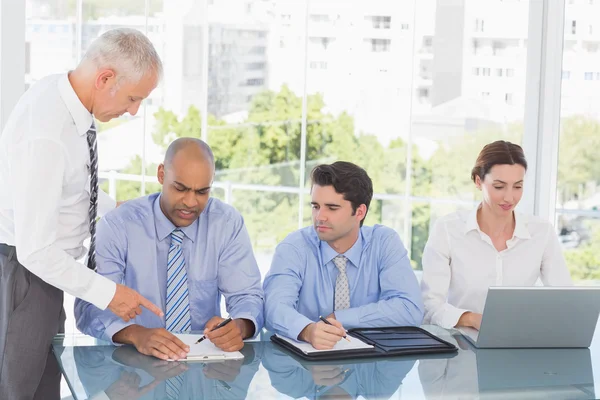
(215,247)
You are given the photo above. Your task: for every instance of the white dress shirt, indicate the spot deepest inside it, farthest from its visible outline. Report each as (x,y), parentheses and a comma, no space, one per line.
(460,263)
(44,189)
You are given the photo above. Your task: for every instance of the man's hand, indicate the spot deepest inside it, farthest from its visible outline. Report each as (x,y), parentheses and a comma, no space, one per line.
(226,371)
(127,303)
(327,375)
(470,319)
(157,342)
(229,337)
(159,369)
(127,387)
(321,335)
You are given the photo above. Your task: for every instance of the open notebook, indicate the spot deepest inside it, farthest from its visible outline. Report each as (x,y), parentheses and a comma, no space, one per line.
(343,344)
(205,351)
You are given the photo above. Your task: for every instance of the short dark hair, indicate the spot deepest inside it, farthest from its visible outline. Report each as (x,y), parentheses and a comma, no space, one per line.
(347,179)
(497,153)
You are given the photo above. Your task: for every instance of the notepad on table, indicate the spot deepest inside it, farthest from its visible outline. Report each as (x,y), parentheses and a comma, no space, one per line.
(307,348)
(205,350)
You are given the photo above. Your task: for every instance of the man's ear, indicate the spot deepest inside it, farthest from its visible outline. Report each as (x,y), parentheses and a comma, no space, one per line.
(160,174)
(361,212)
(105,78)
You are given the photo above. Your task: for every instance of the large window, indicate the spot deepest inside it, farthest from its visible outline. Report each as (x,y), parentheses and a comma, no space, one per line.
(409,90)
(578,187)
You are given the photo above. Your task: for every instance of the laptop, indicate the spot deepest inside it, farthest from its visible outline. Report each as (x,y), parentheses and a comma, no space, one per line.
(532,317)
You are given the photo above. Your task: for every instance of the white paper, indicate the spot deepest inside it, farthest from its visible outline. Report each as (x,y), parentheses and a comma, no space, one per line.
(205,350)
(343,344)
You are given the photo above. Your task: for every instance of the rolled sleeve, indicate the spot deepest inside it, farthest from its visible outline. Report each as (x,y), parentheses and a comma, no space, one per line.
(110,263)
(41,163)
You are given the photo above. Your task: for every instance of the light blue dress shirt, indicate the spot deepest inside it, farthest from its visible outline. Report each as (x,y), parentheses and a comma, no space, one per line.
(300,284)
(132,249)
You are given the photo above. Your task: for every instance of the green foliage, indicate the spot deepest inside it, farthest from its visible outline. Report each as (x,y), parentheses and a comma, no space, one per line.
(584,261)
(129,190)
(578,164)
(265,150)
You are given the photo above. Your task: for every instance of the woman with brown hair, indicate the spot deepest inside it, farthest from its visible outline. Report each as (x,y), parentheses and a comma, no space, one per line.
(492,245)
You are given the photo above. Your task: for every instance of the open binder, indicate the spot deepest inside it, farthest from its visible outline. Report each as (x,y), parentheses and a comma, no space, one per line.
(205,351)
(386,342)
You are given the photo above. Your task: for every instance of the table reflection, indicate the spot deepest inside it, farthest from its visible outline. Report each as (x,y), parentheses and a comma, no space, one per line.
(122,373)
(379,378)
(505,373)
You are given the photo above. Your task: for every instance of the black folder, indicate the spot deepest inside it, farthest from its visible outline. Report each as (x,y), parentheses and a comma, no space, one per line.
(386,342)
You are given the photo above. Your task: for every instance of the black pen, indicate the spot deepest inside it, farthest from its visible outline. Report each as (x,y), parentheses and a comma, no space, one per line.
(221,324)
(329,323)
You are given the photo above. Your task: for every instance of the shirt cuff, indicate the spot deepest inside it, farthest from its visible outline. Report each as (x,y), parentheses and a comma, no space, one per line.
(297,326)
(451,317)
(115,327)
(101,292)
(348,318)
(250,318)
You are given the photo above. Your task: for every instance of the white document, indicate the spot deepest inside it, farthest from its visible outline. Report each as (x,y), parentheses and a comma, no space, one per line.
(205,350)
(343,344)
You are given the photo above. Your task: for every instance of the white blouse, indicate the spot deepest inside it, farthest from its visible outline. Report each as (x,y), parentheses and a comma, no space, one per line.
(460,263)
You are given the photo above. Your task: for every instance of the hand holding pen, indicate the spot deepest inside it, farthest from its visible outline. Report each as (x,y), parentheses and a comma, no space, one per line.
(329,323)
(220,325)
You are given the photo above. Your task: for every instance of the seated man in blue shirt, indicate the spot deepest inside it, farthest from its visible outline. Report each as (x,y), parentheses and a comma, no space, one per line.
(182,249)
(357,276)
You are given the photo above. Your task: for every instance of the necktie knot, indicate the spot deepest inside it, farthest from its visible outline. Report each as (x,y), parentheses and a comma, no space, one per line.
(340,262)
(177,237)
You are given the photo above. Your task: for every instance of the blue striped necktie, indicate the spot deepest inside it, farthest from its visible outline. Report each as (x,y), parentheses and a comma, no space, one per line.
(173,387)
(178,303)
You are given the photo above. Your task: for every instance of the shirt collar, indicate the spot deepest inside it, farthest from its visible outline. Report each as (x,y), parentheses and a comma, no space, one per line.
(353,253)
(521,230)
(471,222)
(164,226)
(81,116)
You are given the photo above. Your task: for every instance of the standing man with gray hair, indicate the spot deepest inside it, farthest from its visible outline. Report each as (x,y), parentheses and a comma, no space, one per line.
(49,202)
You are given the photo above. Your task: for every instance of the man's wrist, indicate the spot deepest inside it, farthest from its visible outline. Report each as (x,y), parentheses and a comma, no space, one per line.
(305,333)
(128,334)
(246,327)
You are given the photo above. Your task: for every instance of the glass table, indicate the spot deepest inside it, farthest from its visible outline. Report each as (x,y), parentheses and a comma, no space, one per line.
(95,369)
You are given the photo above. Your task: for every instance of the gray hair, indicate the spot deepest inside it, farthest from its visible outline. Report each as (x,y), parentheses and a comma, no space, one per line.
(127,51)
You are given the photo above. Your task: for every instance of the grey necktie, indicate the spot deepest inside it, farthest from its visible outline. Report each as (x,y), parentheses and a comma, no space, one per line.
(342,289)
(93,210)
